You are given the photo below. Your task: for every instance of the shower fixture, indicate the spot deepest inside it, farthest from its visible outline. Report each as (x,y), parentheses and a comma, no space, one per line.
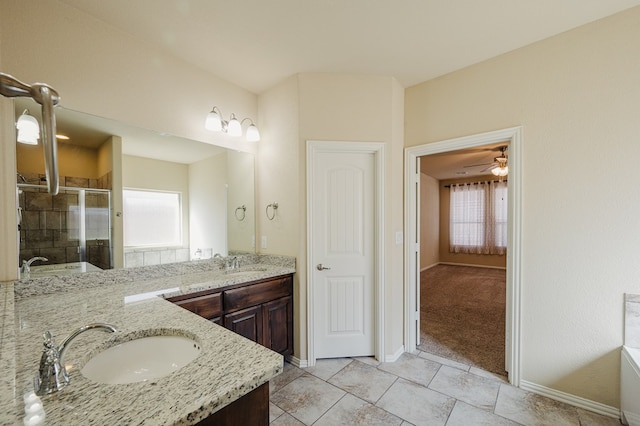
(47,97)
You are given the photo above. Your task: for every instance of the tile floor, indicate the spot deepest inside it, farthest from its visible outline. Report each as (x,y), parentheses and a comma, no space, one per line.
(418,389)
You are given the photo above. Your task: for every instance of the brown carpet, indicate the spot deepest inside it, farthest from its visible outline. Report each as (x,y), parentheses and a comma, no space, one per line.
(462,313)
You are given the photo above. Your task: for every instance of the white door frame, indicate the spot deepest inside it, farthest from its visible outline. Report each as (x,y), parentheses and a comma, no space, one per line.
(378,150)
(514,253)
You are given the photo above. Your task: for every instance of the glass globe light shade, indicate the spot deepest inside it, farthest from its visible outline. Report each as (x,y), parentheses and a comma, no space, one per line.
(234,128)
(253,135)
(213,121)
(28,129)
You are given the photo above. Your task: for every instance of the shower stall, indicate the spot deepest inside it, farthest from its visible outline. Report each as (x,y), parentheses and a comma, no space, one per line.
(72,226)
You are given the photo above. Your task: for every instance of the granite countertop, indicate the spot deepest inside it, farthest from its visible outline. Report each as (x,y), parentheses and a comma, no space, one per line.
(227,367)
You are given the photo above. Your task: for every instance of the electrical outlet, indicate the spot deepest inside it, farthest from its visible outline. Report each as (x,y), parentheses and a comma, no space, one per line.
(263,242)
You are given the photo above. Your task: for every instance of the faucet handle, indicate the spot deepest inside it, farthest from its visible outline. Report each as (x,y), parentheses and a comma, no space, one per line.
(48,339)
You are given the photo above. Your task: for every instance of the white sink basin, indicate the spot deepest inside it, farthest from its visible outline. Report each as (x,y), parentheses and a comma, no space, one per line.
(141,359)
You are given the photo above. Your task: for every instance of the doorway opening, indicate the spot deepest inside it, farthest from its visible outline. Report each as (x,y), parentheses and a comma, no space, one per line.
(463,222)
(512,138)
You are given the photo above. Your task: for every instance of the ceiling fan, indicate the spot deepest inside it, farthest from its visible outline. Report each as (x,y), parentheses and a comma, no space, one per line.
(499,165)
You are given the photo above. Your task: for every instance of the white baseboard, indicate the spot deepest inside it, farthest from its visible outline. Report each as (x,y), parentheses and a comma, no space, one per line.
(576,401)
(394,357)
(472,265)
(429,267)
(300,363)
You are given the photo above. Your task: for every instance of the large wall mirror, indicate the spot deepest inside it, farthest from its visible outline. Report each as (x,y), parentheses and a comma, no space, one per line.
(88,225)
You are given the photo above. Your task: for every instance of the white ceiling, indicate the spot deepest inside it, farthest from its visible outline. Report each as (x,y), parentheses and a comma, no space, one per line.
(464,163)
(256,43)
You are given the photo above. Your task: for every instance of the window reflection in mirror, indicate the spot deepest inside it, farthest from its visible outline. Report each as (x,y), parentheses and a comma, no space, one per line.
(106,156)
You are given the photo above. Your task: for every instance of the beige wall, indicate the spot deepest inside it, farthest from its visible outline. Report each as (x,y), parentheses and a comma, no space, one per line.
(429,221)
(576,96)
(339,108)
(76,161)
(208,191)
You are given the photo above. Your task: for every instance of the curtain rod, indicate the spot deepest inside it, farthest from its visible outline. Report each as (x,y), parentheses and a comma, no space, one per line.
(475,183)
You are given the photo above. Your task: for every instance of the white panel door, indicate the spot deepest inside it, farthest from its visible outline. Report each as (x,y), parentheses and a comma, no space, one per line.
(343,252)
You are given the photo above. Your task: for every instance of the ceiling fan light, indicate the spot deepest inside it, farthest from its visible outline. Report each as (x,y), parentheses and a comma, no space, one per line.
(213,121)
(253,135)
(500,171)
(28,129)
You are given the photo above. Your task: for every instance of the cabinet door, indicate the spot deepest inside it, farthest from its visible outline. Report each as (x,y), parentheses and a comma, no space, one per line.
(246,322)
(278,325)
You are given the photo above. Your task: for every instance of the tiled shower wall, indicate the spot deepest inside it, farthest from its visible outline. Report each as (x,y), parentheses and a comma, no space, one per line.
(47,227)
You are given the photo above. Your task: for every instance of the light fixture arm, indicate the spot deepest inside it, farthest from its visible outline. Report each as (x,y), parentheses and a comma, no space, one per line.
(47,97)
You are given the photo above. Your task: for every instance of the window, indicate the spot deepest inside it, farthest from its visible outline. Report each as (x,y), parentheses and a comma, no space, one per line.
(152,218)
(478,218)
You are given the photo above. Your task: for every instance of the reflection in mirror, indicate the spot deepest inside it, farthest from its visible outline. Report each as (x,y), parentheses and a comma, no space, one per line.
(81,229)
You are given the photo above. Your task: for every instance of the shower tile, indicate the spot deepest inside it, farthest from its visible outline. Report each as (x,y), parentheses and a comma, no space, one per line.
(38,201)
(76,182)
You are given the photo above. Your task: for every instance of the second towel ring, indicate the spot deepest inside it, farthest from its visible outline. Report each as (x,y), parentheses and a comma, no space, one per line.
(244,212)
(274,207)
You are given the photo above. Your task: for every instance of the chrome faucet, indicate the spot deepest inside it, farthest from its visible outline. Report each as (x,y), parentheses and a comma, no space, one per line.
(52,375)
(232,263)
(25,270)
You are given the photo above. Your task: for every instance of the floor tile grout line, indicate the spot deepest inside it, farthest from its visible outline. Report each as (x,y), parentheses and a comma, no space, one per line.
(329,409)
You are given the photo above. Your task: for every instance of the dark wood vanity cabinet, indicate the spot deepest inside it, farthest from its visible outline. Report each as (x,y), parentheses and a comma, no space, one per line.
(261,310)
(246,322)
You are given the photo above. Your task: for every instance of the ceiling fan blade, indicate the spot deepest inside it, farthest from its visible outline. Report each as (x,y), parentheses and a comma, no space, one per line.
(492,166)
(476,165)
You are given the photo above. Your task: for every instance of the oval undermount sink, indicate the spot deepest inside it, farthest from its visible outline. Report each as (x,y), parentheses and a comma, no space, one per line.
(141,359)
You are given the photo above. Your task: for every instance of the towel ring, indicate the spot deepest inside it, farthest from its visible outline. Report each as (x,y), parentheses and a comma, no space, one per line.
(274,207)
(244,212)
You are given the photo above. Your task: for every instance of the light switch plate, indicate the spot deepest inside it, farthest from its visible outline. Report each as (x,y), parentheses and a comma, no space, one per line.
(399,237)
(263,242)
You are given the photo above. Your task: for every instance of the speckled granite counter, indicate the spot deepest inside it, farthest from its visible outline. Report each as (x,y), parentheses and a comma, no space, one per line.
(228,366)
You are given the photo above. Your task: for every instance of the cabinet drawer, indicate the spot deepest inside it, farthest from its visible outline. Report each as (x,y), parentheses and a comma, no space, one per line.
(208,306)
(258,293)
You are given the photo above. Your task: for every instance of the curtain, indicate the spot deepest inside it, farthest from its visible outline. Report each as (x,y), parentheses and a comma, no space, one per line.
(478,218)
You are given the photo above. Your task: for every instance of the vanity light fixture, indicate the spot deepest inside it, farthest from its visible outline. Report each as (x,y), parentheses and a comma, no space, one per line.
(28,129)
(233,127)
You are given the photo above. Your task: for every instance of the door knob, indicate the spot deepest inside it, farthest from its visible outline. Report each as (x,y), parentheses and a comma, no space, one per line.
(321,267)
